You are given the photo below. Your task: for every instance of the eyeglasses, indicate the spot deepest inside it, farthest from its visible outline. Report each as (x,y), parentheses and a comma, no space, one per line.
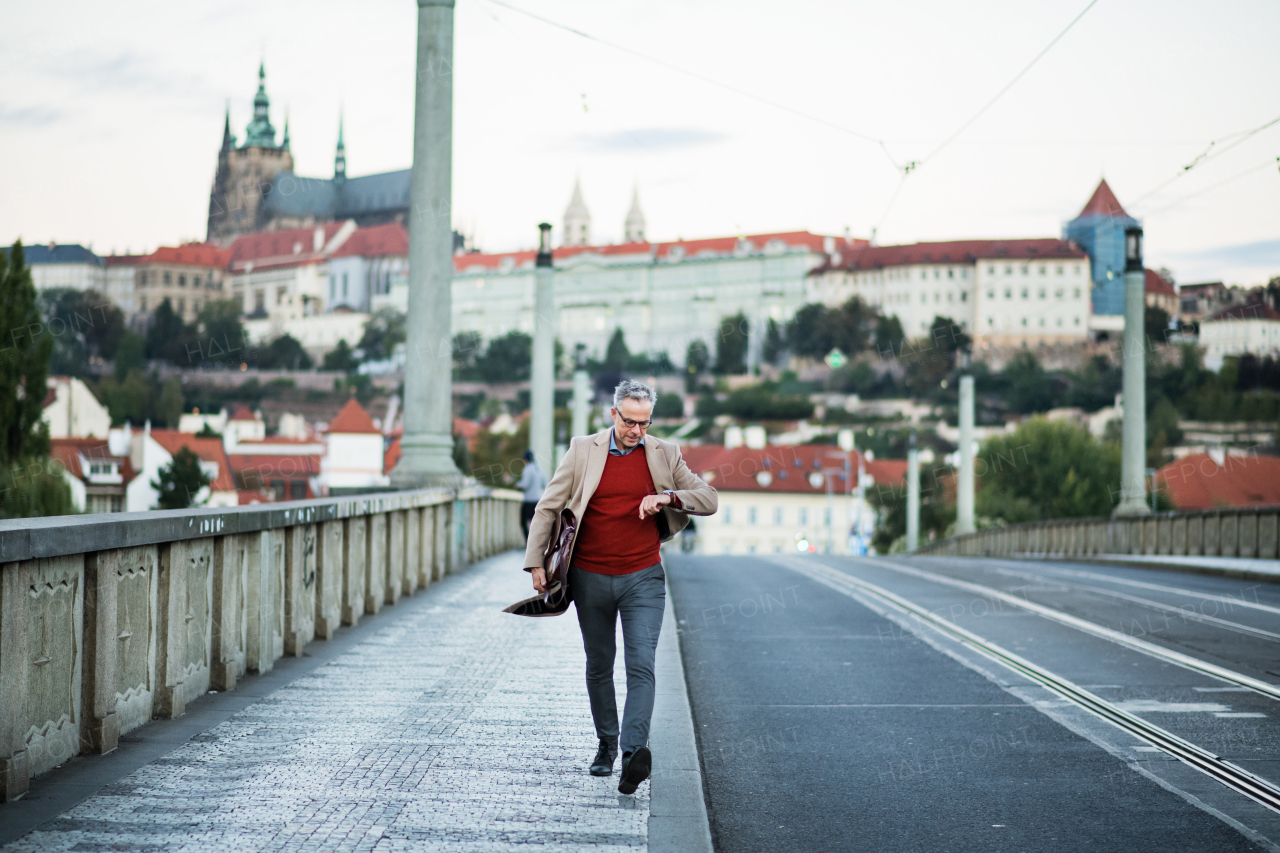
(631,423)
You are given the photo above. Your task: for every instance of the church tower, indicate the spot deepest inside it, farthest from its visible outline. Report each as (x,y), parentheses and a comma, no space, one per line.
(237,202)
(577,219)
(340,160)
(633,227)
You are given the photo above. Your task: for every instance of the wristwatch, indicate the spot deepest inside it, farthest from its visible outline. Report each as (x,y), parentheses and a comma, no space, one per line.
(675,501)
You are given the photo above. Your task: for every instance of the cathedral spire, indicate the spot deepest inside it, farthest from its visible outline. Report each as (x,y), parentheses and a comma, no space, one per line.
(633,227)
(577,219)
(340,157)
(260,133)
(228,141)
(284,143)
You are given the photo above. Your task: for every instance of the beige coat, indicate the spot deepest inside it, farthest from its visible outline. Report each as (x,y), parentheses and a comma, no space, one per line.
(579,473)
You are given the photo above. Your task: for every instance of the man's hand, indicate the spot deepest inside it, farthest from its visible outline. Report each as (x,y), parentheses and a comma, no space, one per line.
(652,503)
(539,580)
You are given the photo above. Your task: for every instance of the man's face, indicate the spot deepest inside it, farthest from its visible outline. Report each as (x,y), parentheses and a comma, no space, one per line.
(637,412)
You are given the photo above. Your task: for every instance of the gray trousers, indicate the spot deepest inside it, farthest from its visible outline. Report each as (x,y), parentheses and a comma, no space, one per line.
(640,598)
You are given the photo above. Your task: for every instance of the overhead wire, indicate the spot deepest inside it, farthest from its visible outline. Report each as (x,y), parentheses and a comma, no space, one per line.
(1010,84)
(1222,183)
(1206,156)
(705,79)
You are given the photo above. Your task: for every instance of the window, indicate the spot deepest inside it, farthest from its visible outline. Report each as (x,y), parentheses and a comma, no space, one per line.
(1058,271)
(1042,293)
(277,490)
(195,306)
(182,280)
(951,273)
(166,276)
(1026,270)
(1008,293)
(344,285)
(259,301)
(142,279)
(727,512)
(1058,293)
(777,515)
(182,306)
(804,517)
(751,515)
(964,296)
(924,297)
(1044,270)
(1008,270)
(1077,269)
(142,303)
(1025,293)
(1024,321)
(991,270)
(333,289)
(195,281)
(964,273)
(991,294)
(297,490)
(1076,293)
(281,292)
(826,517)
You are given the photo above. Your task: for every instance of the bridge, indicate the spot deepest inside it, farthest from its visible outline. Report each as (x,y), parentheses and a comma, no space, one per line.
(338,674)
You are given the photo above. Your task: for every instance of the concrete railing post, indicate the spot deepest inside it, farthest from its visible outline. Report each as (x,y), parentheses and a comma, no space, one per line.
(1134,447)
(100,721)
(913,495)
(964,482)
(330,553)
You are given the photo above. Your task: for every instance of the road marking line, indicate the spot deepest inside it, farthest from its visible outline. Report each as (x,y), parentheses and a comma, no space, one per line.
(1237,778)
(1268,690)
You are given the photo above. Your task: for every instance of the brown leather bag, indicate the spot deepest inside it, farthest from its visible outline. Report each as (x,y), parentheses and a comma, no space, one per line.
(555,564)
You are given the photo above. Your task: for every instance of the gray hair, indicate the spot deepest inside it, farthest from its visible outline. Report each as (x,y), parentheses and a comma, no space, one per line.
(629,389)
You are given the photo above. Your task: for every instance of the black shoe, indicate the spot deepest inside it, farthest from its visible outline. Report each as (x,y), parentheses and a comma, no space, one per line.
(603,763)
(635,769)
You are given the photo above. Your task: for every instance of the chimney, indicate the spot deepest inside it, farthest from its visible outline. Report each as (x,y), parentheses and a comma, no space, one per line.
(755,437)
(317,239)
(732,437)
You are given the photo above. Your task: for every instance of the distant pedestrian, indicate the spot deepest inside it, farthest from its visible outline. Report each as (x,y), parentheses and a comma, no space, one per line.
(533,483)
(627,504)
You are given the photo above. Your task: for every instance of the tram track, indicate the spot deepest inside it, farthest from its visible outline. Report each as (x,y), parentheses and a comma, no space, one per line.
(1225,772)
(1264,688)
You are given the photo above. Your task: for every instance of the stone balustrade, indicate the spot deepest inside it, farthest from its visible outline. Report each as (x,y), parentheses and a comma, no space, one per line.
(1244,532)
(108,621)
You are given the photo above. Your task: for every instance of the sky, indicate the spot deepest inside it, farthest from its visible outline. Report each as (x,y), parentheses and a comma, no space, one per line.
(727,117)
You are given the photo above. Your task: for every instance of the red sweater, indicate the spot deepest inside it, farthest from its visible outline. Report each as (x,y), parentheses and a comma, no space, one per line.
(613,539)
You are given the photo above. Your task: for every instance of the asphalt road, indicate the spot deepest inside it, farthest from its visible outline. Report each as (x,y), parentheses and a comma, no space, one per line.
(827,722)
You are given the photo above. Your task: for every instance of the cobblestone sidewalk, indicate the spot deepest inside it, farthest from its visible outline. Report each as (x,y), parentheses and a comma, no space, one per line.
(449,727)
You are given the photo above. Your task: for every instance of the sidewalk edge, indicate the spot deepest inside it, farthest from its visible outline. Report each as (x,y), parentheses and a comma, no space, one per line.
(678,821)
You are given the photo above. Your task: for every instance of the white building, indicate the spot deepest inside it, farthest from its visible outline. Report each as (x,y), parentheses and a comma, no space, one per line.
(153,449)
(354,455)
(64,265)
(786,499)
(368,265)
(1240,329)
(120,280)
(284,275)
(98,474)
(1001,292)
(71,410)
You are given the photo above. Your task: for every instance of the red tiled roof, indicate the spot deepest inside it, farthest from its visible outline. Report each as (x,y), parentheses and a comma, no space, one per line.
(276,248)
(789,467)
(957,252)
(1197,482)
(69,450)
(353,419)
(887,471)
(123,260)
(242,413)
(1103,202)
(1251,311)
(1156,283)
(375,241)
(691,249)
(392,456)
(190,254)
(282,465)
(208,449)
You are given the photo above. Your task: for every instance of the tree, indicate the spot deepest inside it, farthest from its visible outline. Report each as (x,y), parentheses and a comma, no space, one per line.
(807,334)
(762,402)
(936,512)
(169,406)
(221,334)
(164,332)
(128,399)
(775,343)
(28,487)
(1047,469)
(668,406)
(889,336)
(616,355)
(507,359)
(847,328)
(947,336)
(180,481)
(130,355)
(382,334)
(731,351)
(468,348)
(1155,323)
(84,325)
(284,353)
(1027,387)
(696,361)
(340,358)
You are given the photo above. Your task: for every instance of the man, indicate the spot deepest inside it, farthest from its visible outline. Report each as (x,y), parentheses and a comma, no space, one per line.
(533,483)
(627,503)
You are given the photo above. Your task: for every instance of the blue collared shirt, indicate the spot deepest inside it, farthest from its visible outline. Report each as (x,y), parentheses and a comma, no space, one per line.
(615,450)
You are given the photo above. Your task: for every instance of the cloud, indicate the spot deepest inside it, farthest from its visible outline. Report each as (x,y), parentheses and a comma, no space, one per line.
(128,72)
(28,116)
(647,139)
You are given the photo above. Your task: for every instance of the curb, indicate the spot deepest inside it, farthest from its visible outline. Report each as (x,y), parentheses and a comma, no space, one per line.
(1164,565)
(678,820)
